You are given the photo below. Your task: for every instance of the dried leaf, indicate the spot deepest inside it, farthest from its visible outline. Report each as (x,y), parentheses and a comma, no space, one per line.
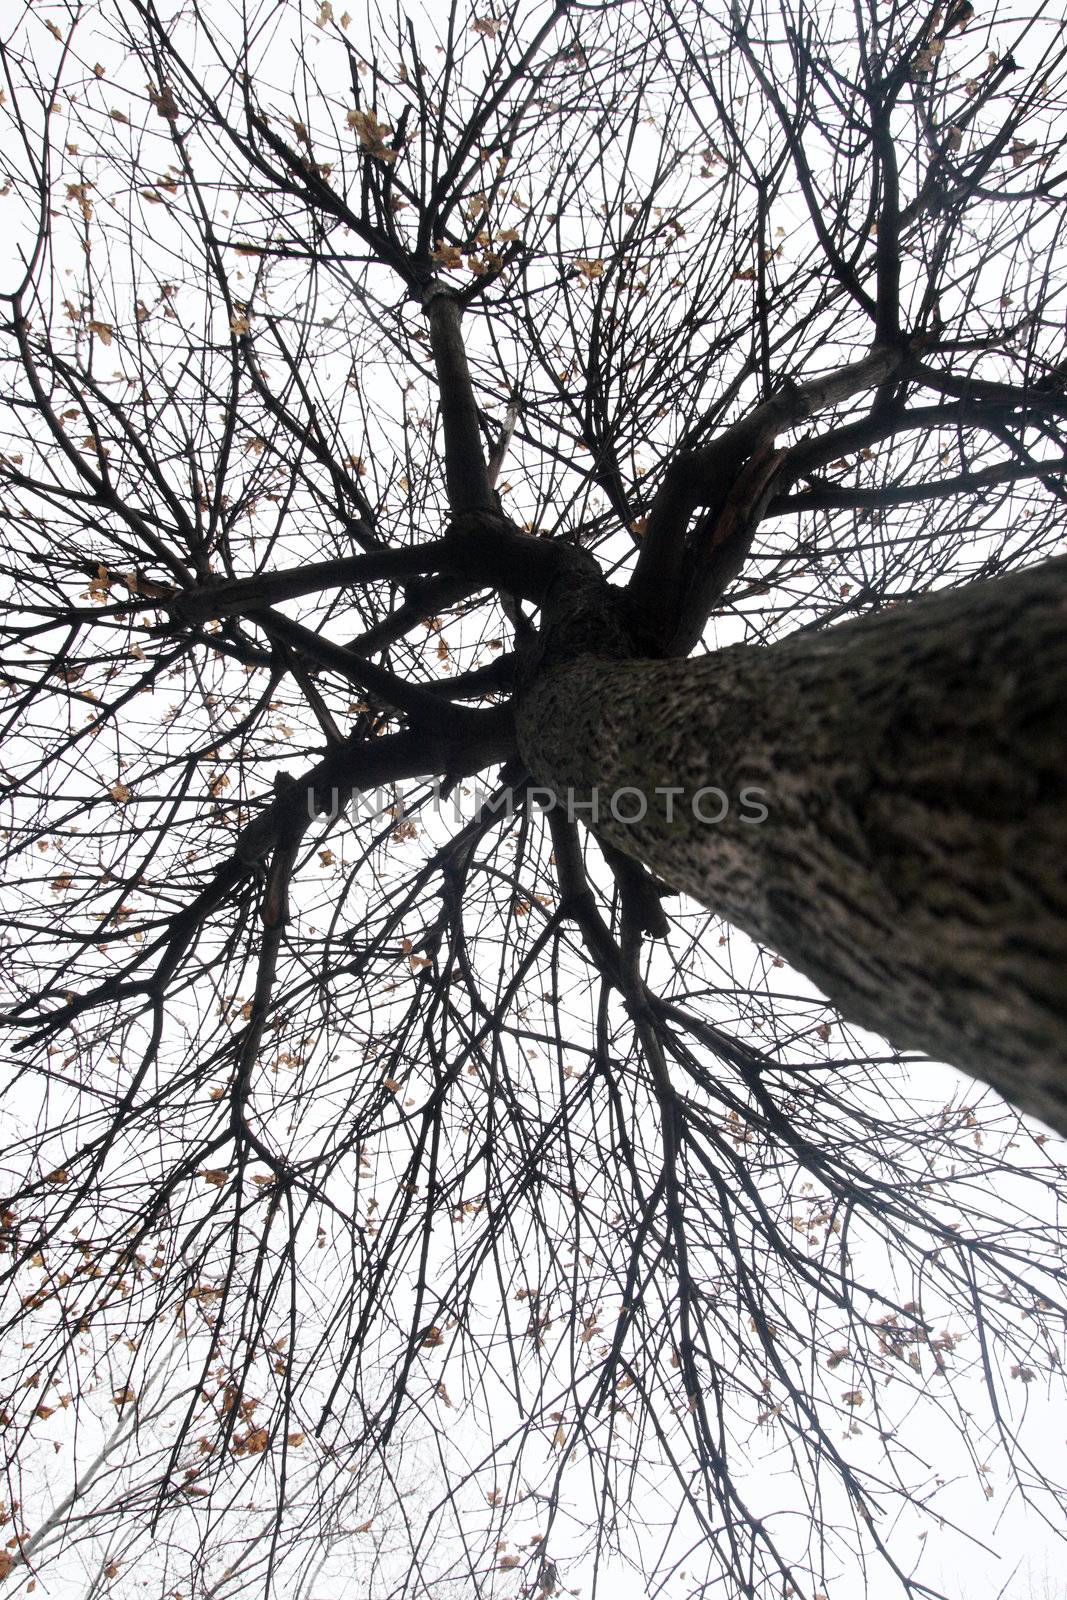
(165,103)
(80,193)
(371,134)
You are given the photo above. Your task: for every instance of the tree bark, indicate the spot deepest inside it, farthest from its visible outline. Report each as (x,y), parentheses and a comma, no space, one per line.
(913,763)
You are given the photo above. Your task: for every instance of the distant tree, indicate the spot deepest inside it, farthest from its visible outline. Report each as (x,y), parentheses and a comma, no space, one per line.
(421,431)
(1042,1586)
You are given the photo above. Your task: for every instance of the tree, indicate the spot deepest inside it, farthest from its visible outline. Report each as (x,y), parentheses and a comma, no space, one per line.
(420,431)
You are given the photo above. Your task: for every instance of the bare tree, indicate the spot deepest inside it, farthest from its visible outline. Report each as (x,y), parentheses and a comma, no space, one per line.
(470,481)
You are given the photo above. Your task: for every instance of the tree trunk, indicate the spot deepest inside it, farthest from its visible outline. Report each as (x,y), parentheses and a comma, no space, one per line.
(913,765)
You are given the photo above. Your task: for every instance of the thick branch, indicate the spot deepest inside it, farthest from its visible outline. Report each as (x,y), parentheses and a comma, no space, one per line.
(466,473)
(409,698)
(705,477)
(832,497)
(241,595)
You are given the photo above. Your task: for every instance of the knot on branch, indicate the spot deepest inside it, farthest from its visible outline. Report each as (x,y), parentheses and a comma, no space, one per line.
(427,290)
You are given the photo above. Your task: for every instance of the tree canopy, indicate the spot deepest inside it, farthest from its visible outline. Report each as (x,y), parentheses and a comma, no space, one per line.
(400,1180)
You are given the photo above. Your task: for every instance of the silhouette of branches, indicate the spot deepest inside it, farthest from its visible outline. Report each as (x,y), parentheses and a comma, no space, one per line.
(450,1196)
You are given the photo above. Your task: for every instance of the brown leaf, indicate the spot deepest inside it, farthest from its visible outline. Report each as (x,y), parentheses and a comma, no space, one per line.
(165,103)
(446,255)
(371,134)
(80,193)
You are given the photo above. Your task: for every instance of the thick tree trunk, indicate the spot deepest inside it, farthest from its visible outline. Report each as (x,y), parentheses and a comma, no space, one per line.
(913,860)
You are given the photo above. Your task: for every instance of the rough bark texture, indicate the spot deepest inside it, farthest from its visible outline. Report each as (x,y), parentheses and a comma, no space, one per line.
(914,860)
